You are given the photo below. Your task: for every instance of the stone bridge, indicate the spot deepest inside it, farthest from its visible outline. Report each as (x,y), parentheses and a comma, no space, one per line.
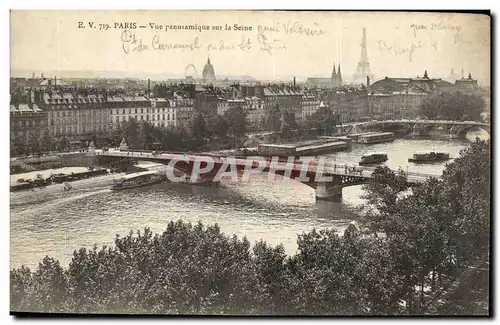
(455,129)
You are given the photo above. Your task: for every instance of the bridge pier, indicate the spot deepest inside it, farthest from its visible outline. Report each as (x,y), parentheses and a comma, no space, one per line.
(328,192)
(454,132)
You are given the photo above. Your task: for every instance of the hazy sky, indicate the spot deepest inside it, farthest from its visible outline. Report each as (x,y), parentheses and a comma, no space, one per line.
(301,44)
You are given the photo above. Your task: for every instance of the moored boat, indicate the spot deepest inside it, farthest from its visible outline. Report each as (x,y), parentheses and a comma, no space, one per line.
(376,137)
(138,180)
(373,158)
(62,178)
(425,157)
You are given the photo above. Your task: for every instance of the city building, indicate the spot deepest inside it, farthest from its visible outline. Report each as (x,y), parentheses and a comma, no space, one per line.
(349,103)
(468,85)
(27,121)
(309,106)
(401,97)
(184,108)
(124,108)
(222,105)
(76,116)
(334,81)
(287,98)
(254,110)
(318,82)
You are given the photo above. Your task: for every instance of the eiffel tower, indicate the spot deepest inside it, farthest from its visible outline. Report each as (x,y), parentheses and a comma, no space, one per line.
(363,69)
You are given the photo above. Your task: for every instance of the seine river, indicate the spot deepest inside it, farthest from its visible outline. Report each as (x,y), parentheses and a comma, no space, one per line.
(55,223)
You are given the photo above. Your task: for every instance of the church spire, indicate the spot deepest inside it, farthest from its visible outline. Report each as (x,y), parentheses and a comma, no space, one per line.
(339,77)
(333,80)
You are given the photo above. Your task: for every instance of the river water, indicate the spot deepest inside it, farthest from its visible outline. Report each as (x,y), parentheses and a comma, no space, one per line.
(55,223)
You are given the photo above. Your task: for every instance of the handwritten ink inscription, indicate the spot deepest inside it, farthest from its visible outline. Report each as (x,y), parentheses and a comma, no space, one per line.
(268,45)
(398,50)
(132,43)
(269,39)
(291,28)
(439,26)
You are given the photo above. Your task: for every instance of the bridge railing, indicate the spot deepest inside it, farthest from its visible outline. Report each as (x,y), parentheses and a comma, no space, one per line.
(330,167)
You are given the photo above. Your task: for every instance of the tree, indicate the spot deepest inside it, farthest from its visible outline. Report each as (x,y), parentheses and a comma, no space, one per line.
(116,134)
(172,137)
(453,106)
(131,133)
(18,146)
(21,289)
(237,121)
(382,194)
(273,118)
(217,126)
(198,127)
(146,135)
(323,120)
(63,143)
(33,142)
(467,184)
(50,286)
(438,227)
(47,142)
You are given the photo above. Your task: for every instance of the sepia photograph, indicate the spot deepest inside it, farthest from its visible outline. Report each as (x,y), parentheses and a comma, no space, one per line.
(250,163)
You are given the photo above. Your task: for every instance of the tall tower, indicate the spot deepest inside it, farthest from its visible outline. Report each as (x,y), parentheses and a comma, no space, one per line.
(339,77)
(363,69)
(333,80)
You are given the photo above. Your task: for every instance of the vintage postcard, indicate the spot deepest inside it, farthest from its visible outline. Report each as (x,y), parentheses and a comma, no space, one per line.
(250,163)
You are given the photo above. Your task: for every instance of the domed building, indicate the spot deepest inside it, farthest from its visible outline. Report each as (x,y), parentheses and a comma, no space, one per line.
(208,72)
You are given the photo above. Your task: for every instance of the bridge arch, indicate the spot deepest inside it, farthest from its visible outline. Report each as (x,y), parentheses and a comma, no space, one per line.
(461,132)
(427,129)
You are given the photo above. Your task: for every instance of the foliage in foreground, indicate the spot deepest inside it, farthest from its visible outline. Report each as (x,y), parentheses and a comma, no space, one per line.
(430,235)
(196,269)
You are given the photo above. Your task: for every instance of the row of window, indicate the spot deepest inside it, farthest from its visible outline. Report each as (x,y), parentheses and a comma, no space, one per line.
(141,118)
(76,113)
(72,106)
(73,129)
(128,104)
(75,120)
(28,123)
(136,111)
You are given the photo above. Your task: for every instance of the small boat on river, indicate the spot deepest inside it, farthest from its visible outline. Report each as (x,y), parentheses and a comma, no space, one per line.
(138,180)
(373,158)
(378,137)
(428,157)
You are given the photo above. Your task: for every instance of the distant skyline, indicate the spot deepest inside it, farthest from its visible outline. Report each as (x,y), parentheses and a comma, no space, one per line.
(161,77)
(399,44)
